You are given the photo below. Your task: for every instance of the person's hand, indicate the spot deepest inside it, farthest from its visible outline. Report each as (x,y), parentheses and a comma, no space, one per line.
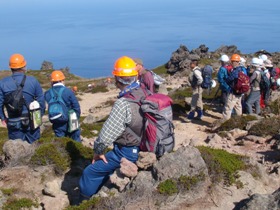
(99,157)
(4,123)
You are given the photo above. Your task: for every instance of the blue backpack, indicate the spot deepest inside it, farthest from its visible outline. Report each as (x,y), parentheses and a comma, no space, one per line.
(207,72)
(57,110)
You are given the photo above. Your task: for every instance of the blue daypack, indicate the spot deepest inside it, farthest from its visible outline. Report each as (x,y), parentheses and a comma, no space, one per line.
(207,72)
(57,110)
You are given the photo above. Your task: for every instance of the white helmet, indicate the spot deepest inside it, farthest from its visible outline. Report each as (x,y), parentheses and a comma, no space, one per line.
(242,61)
(214,83)
(263,57)
(256,62)
(224,58)
(278,82)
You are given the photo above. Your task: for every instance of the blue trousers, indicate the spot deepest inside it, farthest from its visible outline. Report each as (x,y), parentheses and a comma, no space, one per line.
(17,131)
(96,174)
(61,130)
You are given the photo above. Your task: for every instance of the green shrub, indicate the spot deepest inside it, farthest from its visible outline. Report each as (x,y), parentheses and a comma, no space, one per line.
(51,154)
(21,203)
(236,122)
(86,205)
(168,187)
(86,129)
(160,70)
(266,127)
(222,166)
(275,107)
(8,191)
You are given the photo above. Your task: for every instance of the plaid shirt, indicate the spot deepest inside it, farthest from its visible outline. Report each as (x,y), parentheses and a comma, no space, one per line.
(119,118)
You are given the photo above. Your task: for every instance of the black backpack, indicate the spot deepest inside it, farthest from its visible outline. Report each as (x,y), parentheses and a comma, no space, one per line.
(207,72)
(14,100)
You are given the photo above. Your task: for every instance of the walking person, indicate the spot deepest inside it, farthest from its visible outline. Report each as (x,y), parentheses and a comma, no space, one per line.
(124,118)
(18,124)
(58,89)
(145,76)
(234,99)
(195,79)
(255,93)
(222,76)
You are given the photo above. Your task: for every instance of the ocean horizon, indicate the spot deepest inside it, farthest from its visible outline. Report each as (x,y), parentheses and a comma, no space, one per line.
(88,36)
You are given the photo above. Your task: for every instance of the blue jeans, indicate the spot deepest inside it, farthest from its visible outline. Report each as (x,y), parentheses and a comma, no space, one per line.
(254,99)
(95,175)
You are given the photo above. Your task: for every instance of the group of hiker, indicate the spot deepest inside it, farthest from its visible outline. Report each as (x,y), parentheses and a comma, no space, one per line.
(19,92)
(123,128)
(245,88)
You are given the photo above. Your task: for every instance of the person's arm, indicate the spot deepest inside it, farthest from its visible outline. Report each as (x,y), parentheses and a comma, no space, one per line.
(114,126)
(75,104)
(198,75)
(2,115)
(40,96)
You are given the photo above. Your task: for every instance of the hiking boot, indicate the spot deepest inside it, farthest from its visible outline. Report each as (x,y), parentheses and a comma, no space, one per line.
(199,114)
(191,115)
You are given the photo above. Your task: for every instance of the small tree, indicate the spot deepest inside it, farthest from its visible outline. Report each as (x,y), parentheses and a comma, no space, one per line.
(46,65)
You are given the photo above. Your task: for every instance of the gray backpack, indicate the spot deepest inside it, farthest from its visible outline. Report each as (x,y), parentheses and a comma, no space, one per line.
(158,132)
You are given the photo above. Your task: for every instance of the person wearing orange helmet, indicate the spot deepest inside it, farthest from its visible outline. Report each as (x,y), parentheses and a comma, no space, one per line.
(234,99)
(122,129)
(18,123)
(58,88)
(145,76)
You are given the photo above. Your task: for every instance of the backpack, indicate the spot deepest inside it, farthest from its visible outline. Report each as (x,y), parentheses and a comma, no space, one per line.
(206,72)
(158,131)
(14,100)
(241,82)
(274,75)
(264,82)
(57,110)
(158,80)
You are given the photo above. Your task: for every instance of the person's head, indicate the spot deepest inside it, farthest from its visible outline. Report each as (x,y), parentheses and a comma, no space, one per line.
(75,89)
(235,60)
(263,57)
(139,65)
(193,63)
(57,76)
(224,59)
(255,63)
(268,64)
(17,63)
(242,61)
(125,72)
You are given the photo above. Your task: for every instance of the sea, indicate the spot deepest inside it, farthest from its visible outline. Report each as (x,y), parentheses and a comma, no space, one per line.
(87,36)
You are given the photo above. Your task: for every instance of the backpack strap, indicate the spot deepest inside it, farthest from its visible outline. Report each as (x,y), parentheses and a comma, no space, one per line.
(57,95)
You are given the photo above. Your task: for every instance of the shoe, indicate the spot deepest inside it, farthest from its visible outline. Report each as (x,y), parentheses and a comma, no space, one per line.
(199,114)
(191,115)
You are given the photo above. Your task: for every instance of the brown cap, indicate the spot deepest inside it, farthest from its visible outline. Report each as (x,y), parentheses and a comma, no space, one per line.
(138,61)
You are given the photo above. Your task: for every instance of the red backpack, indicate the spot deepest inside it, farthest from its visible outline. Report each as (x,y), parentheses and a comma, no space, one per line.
(242,83)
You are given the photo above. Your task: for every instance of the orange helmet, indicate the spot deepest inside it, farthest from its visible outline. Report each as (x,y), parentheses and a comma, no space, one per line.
(17,61)
(235,57)
(57,76)
(125,67)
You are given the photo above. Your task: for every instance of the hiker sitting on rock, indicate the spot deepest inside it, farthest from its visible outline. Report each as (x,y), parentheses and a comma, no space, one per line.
(117,131)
